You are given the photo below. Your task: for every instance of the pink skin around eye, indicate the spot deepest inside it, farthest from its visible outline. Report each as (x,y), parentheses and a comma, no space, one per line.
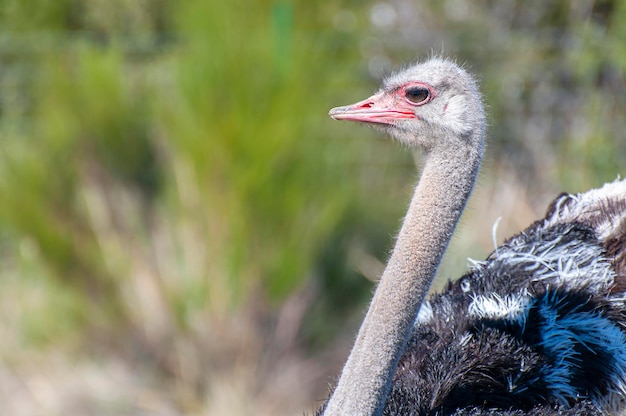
(386,107)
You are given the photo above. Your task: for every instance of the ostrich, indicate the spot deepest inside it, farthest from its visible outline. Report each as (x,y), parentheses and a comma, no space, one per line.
(537,328)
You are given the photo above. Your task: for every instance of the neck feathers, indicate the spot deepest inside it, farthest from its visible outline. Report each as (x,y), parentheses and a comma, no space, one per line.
(445,185)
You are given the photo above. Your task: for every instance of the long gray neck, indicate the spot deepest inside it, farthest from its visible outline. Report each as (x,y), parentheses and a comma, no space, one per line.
(445,185)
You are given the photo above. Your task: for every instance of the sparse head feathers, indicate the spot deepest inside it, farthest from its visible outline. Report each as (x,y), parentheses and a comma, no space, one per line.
(455,111)
(431,105)
(434,71)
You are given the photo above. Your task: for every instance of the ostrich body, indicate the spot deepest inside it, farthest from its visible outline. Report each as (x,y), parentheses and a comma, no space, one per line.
(538,328)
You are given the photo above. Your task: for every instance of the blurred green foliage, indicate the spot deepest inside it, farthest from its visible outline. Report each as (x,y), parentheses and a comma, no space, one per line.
(167,168)
(215,99)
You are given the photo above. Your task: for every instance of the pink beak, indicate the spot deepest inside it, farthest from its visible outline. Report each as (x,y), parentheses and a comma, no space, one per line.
(379,108)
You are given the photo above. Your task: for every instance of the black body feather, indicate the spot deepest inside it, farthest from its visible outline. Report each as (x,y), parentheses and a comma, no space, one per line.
(538,328)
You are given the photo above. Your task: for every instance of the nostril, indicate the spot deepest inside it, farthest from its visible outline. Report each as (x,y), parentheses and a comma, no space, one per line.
(366,105)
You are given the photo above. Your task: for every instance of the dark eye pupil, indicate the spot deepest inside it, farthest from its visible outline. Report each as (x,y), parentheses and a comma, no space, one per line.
(417,95)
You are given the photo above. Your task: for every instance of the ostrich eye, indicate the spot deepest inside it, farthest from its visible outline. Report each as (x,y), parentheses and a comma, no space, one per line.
(417,95)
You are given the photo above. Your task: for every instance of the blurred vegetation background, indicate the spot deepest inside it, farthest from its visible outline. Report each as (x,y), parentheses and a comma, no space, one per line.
(183,230)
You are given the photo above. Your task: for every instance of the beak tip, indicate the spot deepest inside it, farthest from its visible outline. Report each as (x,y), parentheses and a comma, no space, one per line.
(333,112)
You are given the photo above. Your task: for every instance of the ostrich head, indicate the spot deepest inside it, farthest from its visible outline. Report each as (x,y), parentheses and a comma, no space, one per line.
(423,106)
